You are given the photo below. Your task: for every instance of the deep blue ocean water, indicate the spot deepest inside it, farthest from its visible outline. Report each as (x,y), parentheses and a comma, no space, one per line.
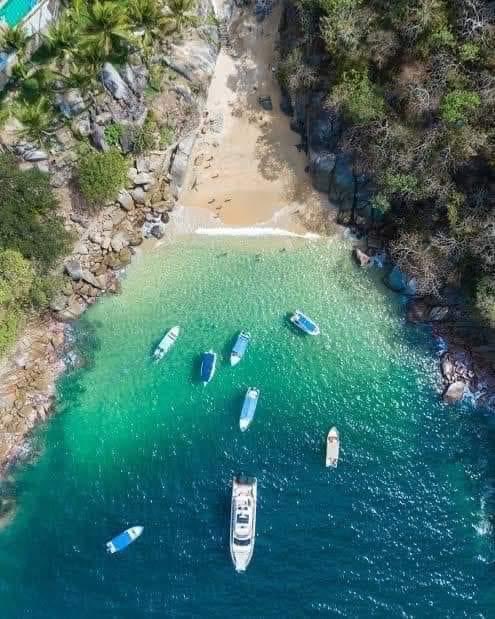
(402,528)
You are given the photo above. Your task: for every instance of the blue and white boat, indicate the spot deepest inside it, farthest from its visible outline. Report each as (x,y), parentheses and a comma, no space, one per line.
(124,539)
(208,366)
(305,323)
(166,344)
(240,347)
(249,408)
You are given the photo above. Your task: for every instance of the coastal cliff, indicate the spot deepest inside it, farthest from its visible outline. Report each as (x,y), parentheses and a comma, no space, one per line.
(359,130)
(106,238)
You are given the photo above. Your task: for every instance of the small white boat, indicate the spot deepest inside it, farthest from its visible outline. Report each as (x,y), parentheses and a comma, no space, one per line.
(333,447)
(249,408)
(304,323)
(240,347)
(243,521)
(166,344)
(124,539)
(208,366)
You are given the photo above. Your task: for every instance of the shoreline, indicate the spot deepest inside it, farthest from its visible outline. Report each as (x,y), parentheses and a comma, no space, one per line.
(242,175)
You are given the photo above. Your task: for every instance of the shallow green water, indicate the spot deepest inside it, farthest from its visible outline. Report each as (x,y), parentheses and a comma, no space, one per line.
(401,528)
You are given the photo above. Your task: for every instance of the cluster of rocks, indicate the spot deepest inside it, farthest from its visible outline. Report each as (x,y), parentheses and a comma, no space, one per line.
(108,242)
(458,375)
(27,385)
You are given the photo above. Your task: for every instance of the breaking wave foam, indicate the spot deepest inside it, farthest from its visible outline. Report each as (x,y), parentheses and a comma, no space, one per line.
(255,231)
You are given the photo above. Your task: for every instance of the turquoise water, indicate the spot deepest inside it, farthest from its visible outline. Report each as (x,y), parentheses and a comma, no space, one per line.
(400,529)
(14,11)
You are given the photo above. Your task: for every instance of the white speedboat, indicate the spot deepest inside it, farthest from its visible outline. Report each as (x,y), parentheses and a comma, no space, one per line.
(208,366)
(243,521)
(166,344)
(333,447)
(124,539)
(249,408)
(303,322)
(240,347)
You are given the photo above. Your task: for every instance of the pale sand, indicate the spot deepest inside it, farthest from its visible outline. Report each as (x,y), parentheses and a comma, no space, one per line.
(245,167)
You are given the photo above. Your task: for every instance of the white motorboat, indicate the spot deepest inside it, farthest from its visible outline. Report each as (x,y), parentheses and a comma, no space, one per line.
(248,408)
(166,343)
(239,348)
(303,322)
(243,521)
(333,447)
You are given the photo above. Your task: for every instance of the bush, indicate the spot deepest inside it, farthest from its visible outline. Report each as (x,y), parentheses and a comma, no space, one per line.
(44,289)
(359,97)
(16,277)
(456,106)
(9,326)
(145,137)
(113,133)
(485,299)
(101,175)
(30,224)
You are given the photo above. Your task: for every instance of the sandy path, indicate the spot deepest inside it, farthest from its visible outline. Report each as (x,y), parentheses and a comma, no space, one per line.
(245,166)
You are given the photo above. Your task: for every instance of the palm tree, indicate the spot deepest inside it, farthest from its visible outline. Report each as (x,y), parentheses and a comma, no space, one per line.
(106,27)
(36,118)
(14,38)
(146,14)
(181,13)
(62,37)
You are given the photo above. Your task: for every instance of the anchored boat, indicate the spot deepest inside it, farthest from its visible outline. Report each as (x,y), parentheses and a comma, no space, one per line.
(240,347)
(166,344)
(333,447)
(249,408)
(208,366)
(124,539)
(303,322)
(243,521)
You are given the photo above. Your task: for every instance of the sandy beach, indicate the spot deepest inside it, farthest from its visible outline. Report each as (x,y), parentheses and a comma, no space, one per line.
(245,166)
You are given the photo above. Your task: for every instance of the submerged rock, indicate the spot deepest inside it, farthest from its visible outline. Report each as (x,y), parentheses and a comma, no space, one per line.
(362,259)
(400,282)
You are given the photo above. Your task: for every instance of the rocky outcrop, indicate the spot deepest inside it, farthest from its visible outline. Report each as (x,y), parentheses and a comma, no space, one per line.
(107,238)
(114,83)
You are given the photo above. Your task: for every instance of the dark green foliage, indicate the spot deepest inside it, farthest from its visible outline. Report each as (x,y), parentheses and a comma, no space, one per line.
(145,138)
(30,224)
(414,79)
(101,175)
(113,133)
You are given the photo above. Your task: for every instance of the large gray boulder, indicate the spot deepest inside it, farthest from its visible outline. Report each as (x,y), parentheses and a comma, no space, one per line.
(178,166)
(136,77)
(74,269)
(71,103)
(194,59)
(322,166)
(113,82)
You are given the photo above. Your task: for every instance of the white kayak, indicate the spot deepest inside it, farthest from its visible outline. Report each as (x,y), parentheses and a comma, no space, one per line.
(166,344)
(333,447)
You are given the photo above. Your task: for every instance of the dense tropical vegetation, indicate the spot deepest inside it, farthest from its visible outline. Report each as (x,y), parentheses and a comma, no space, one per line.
(88,33)
(415,82)
(32,237)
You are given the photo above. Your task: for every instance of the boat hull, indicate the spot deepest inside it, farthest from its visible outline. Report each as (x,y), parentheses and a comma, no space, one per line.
(333,448)
(166,343)
(243,521)
(208,366)
(123,540)
(304,323)
(248,408)
(239,348)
